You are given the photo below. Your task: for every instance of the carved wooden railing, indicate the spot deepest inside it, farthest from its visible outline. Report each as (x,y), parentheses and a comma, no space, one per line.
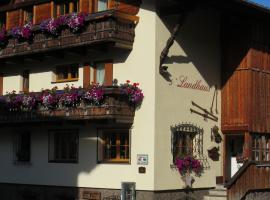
(115,107)
(104,27)
(251,176)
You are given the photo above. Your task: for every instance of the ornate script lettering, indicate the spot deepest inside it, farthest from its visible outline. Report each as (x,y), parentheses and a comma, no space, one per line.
(198,85)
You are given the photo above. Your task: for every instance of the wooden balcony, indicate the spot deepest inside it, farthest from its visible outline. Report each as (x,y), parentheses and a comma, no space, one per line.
(252,176)
(115,108)
(108,27)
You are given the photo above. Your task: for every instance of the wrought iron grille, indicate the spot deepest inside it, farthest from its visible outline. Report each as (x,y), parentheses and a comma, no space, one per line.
(195,134)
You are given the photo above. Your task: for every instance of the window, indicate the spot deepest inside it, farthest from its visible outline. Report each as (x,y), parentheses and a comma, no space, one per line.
(187,139)
(28,15)
(99,72)
(67,73)
(66,7)
(260,147)
(25,81)
(113,146)
(63,146)
(2,20)
(102,5)
(22,147)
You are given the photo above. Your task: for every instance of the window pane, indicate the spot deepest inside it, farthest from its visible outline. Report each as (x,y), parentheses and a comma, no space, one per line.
(100,67)
(74,72)
(23,144)
(114,146)
(102,5)
(65,146)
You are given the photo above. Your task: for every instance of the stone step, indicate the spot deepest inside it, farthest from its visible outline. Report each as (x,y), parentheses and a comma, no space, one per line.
(217,192)
(207,197)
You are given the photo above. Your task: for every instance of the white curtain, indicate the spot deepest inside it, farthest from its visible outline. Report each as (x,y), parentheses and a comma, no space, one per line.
(100,73)
(102,5)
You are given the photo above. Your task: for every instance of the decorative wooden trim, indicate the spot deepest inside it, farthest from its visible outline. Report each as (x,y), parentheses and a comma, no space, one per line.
(86,76)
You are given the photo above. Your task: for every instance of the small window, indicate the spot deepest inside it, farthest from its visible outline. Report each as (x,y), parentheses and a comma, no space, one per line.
(187,140)
(66,7)
(22,147)
(25,81)
(2,20)
(63,146)
(102,73)
(67,73)
(113,146)
(28,15)
(102,5)
(260,147)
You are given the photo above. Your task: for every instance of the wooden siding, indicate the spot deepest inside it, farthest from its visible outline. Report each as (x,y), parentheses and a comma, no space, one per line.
(246,78)
(42,12)
(252,176)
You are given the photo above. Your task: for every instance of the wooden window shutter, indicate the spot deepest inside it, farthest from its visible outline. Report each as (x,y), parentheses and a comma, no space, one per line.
(42,12)
(1,83)
(111,4)
(14,18)
(86,76)
(85,5)
(108,73)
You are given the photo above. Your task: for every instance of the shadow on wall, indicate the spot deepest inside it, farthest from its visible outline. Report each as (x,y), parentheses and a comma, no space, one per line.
(61,173)
(199,37)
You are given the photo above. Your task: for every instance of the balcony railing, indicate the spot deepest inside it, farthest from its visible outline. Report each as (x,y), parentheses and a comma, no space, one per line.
(104,27)
(115,107)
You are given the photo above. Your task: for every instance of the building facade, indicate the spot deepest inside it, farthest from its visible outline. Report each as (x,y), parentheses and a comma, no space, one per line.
(88,131)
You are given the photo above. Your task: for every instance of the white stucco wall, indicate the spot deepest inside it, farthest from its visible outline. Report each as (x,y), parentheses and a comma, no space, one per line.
(195,54)
(136,66)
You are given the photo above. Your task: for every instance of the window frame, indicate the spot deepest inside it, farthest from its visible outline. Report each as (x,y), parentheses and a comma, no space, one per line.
(51,152)
(69,71)
(18,147)
(108,72)
(118,159)
(260,147)
(26,12)
(96,6)
(70,4)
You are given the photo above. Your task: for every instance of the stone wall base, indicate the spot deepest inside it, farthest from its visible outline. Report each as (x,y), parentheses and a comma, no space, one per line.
(258,195)
(39,192)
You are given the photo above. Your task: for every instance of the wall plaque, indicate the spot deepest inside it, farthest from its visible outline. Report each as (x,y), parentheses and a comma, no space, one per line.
(89,195)
(142,159)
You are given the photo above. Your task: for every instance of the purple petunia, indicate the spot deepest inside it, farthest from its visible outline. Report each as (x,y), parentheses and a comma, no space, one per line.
(76,21)
(189,164)
(133,92)
(22,33)
(94,95)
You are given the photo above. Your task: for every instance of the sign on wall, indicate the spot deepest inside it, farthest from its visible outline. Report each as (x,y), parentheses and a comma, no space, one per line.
(142,159)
